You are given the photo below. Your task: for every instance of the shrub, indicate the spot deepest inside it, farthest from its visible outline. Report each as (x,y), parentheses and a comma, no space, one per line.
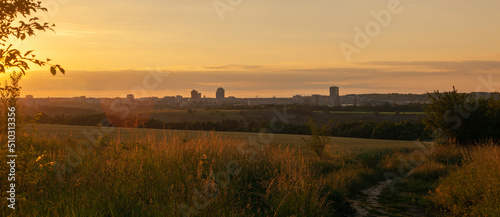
(463,117)
(319,138)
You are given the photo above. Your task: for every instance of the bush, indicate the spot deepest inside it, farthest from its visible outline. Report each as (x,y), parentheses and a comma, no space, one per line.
(463,117)
(319,138)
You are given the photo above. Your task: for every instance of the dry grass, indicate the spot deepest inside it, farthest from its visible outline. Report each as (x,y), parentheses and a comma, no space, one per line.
(137,174)
(161,175)
(474,188)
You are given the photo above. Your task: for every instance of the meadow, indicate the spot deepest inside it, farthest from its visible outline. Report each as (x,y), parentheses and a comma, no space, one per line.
(140,172)
(79,132)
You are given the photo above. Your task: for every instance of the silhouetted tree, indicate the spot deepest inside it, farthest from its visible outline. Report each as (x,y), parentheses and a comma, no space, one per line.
(17,22)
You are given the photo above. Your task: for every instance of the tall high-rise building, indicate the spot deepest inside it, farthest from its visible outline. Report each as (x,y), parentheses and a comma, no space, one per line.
(335,96)
(194,95)
(220,94)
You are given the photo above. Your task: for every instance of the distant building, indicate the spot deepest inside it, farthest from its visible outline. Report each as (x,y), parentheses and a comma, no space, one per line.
(315,99)
(349,100)
(194,94)
(178,99)
(220,95)
(168,100)
(334,96)
(298,99)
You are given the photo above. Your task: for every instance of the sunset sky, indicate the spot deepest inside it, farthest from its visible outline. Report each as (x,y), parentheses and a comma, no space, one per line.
(264,48)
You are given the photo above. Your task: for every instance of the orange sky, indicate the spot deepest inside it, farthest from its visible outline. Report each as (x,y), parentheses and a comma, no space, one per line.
(266,48)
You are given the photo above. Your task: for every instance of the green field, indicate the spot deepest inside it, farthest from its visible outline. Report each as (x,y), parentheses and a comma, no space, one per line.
(77,132)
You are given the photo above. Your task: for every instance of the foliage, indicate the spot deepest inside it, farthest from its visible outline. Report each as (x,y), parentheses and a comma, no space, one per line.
(18,23)
(463,117)
(400,130)
(10,93)
(319,137)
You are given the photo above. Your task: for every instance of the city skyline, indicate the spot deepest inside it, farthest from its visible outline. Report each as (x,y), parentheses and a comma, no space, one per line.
(219,93)
(213,94)
(197,99)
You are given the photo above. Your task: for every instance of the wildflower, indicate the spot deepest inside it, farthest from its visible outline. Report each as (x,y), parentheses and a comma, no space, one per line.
(40,157)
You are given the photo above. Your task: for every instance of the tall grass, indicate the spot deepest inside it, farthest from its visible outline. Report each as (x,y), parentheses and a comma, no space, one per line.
(474,188)
(163,175)
(451,180)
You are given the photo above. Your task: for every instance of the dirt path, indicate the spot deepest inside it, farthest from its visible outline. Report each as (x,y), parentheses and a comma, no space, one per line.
(367,204)
(369,200)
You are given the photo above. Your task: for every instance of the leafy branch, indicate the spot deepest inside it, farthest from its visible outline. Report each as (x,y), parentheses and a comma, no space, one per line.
(16,23)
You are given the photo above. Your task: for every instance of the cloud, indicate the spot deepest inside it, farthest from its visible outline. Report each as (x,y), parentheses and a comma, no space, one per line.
(417,76)
(452,66)
(226,67)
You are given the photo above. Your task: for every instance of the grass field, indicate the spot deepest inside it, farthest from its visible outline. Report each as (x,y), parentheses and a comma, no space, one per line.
(142,172)
(77,132)
(139,172)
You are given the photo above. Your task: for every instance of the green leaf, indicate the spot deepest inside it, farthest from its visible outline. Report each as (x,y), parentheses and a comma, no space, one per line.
(53,70)
(62,70)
